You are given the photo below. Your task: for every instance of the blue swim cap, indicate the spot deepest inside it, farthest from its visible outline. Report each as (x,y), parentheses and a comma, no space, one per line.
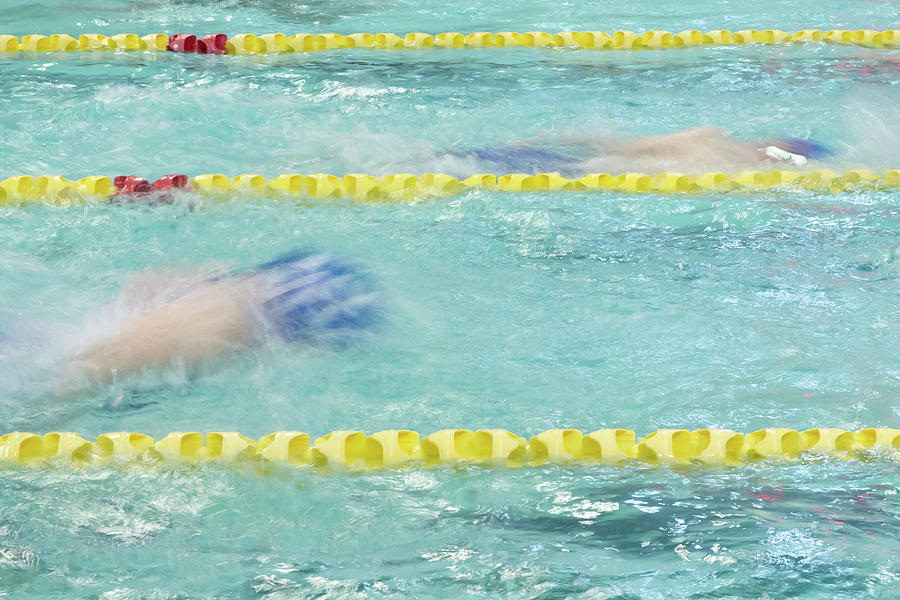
(807,148)
(318,298)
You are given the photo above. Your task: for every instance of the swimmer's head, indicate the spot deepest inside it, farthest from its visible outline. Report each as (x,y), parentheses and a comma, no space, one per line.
(317,299)
(807,148)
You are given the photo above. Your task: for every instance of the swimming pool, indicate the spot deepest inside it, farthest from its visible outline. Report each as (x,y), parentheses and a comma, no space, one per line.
(521,311)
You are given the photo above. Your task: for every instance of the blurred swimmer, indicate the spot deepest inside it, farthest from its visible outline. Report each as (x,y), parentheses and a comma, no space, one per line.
(298,297)
(699,148)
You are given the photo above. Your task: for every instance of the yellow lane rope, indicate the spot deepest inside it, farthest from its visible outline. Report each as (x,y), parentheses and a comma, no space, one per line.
(355,450)
(53,189)
(279,43)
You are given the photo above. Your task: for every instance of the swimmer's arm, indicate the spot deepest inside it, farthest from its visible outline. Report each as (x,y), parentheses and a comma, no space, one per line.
(695,139)
(617,144)
(199,326)
(670,142)
(142,287)
(696,145)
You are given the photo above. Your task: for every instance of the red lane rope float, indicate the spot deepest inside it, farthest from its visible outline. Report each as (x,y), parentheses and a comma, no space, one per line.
(130,185)
(214,43)
(182,43)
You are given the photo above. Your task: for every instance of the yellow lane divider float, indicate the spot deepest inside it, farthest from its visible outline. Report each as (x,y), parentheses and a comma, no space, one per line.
(53,189)
(279,43)
(355,450)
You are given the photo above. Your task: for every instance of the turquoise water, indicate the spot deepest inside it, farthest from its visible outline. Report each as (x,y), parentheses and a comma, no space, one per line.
(521,311)
(388,112)
(501,310)
(318,16)
(826,531)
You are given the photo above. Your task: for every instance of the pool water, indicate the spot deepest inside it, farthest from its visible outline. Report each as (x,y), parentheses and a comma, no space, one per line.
(373,112)
(521,311)
(816,531)
(346,16)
